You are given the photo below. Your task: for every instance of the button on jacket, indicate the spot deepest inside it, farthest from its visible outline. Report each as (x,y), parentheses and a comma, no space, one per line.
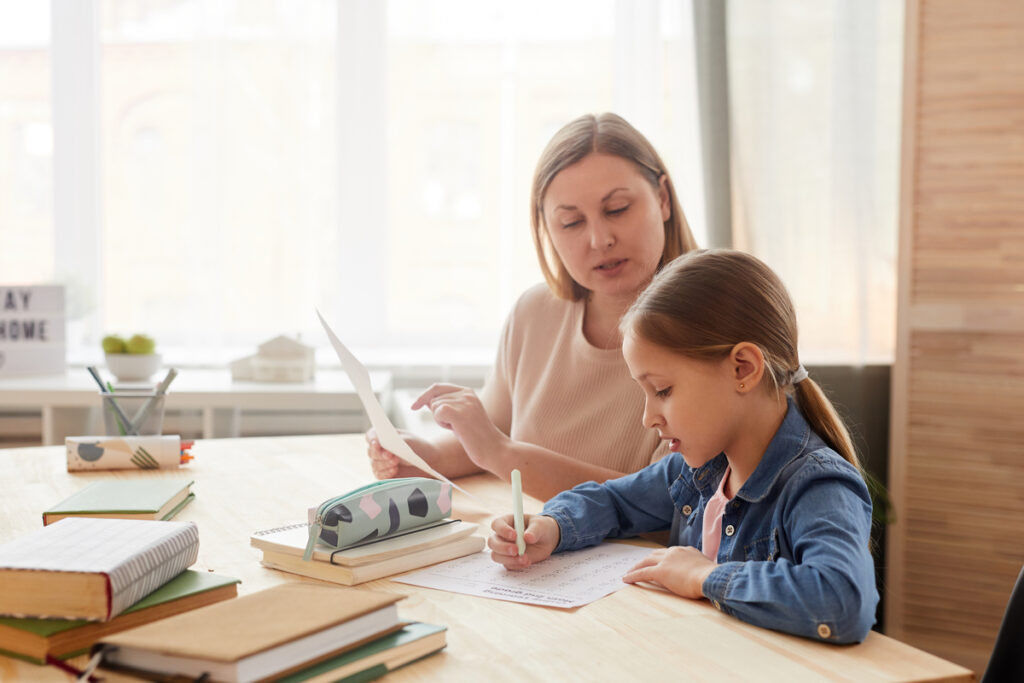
(797,558)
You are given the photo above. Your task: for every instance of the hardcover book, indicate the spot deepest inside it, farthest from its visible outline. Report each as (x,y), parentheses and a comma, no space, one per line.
(37,639)
(125,499)
(92,569)
(377,658)
(258,636)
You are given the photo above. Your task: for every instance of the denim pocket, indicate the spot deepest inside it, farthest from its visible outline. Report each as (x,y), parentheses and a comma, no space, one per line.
(765,548)
(758,550)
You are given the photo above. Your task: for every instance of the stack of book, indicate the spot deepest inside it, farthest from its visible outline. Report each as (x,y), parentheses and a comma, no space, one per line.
(283,547)
(66,584)
(292,632)
(39,640)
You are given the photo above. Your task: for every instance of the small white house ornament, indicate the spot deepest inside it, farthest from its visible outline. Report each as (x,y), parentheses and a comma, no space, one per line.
(281,359)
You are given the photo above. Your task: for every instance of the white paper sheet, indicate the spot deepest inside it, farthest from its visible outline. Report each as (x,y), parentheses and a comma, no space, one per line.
(563,580)
(386,432)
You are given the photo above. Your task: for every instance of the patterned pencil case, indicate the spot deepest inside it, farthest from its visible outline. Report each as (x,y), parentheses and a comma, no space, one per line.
(379,510)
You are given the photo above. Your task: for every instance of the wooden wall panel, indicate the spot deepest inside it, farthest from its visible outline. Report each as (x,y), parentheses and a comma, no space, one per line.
(957,452)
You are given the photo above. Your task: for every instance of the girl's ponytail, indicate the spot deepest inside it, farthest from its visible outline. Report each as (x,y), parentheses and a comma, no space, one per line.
(821,415)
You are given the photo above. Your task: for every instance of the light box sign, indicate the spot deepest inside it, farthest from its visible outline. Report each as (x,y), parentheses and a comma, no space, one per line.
(31,330)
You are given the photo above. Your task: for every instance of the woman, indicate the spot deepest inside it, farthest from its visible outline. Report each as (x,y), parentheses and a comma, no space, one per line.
(559,404)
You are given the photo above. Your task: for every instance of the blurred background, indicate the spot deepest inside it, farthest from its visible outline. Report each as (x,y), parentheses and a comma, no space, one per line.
(210,171)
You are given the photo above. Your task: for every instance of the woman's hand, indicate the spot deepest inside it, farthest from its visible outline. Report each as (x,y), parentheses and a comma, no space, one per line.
(541,534)
(387,465)
(680,569)
(459,409)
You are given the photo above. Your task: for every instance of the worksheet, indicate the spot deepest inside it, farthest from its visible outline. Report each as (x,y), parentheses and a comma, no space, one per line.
(567,579)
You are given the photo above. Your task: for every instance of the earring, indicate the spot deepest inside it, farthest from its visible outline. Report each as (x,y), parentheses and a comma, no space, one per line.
(742,385)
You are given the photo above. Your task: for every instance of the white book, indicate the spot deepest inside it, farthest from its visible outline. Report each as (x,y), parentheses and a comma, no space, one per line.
(91,568)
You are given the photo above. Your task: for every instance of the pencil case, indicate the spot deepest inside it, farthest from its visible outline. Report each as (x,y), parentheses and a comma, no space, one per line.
(379,510)
(126,452)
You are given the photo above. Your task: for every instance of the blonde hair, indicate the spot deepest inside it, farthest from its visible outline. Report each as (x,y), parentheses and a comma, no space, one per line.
(604,134)
(705,302)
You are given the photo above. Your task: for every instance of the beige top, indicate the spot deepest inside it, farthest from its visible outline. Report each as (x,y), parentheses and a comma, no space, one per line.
(551,387)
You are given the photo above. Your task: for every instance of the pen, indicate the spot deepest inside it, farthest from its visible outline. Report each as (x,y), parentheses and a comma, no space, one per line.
(96,376)
(140,417)
(517,509)
(107,389)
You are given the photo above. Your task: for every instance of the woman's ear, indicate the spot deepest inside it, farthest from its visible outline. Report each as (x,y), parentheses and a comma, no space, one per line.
(747,366)
(664,197)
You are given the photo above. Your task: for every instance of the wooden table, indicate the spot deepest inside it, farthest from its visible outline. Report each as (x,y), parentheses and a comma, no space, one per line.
(243,485)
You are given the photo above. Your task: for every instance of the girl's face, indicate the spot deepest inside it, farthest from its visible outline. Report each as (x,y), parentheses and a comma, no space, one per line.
(692,403)
(607,223)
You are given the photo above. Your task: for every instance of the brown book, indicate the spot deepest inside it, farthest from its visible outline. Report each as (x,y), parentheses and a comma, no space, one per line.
(257,636)
(37,639)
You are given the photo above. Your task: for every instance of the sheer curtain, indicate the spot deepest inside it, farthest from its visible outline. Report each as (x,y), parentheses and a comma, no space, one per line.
(26,144)
(253,160)
(814,93)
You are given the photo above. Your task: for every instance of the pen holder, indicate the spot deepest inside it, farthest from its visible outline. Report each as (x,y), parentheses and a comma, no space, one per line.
(128,413)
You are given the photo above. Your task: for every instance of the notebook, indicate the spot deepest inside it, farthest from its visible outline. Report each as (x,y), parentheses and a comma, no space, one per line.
(350,576)
(93,569)
(125,499)
(291,539)
(283,548)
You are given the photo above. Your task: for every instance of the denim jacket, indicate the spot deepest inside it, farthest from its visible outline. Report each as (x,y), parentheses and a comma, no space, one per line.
(794,553)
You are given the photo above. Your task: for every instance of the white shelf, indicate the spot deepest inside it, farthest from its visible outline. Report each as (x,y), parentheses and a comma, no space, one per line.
(69,403)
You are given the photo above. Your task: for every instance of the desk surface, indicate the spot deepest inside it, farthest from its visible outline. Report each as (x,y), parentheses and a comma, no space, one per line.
(243,485)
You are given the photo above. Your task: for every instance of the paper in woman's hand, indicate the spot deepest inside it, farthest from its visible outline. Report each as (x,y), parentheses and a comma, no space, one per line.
(386,432)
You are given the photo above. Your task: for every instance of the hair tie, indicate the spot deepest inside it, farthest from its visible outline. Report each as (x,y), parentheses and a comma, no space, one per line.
(799,375)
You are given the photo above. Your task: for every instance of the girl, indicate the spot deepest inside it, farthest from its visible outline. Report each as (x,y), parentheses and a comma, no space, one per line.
(559,404)
(769,514)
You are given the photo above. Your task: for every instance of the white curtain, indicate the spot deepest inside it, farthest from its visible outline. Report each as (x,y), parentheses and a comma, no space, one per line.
(815,94)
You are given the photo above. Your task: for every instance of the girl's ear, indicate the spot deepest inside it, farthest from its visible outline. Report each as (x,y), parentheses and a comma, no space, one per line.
(747,366)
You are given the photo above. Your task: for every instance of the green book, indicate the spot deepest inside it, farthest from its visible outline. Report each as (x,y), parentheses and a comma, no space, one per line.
(375,658)
(35,639)
(149,498)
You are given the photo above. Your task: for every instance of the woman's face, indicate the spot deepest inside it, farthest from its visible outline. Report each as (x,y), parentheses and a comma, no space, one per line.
(607,224)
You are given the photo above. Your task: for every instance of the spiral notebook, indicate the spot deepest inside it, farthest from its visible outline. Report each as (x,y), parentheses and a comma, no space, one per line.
(283,548)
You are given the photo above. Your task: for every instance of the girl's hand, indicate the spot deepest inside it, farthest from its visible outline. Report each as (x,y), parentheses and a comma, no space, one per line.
(387,465)
(680,569)
(460,410)
(541,535)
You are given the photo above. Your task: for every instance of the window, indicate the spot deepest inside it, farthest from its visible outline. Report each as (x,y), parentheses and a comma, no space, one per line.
(210,171)
(254,160)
